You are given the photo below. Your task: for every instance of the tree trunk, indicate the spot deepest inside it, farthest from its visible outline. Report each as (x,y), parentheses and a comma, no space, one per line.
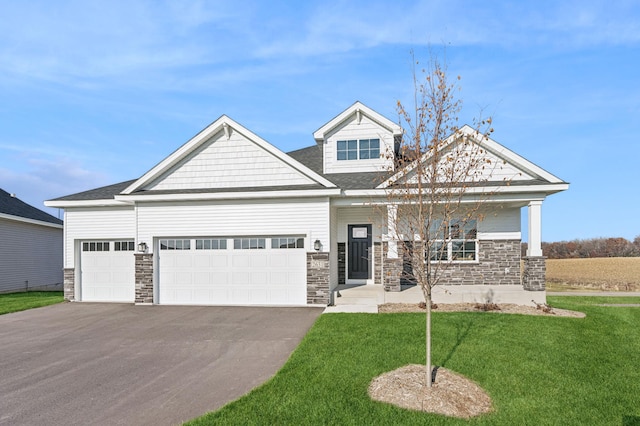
(428,339)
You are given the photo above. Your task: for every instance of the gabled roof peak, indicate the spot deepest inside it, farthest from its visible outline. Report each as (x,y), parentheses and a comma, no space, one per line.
(357,109)
(227,125)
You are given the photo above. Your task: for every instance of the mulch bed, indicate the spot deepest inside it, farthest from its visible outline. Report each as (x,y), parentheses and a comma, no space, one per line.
(450,394)
(503,308)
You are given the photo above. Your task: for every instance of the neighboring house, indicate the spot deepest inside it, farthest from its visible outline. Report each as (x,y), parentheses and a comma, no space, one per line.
(228,219)
(30,247)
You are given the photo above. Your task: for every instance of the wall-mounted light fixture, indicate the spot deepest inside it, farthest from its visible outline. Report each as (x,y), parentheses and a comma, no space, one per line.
(142,247)
(317,245)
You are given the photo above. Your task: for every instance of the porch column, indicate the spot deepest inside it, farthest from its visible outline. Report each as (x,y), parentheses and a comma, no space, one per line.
(392,220)
(534,247)
(392,260)
(534,271)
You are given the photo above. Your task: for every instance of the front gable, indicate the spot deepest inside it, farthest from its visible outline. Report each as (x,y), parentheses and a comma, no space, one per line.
(358,140)
(226,155)
(499,164)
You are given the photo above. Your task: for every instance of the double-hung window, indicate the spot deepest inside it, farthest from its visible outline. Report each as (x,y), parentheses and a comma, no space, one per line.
(359,149)
(454,240)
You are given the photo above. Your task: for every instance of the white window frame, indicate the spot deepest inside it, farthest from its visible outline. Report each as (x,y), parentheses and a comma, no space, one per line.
(450,241)
(358,150)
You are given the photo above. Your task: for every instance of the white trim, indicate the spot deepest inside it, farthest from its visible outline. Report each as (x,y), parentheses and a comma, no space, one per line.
(495,236)
(31,221)
(357,109)
(85,203)
(228,195)
(546,189)
(228,125)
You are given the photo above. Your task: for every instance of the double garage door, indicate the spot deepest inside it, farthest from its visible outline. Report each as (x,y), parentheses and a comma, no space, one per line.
(201,271)
(232,271)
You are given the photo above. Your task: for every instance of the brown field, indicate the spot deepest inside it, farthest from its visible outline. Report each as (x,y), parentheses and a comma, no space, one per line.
(601,273)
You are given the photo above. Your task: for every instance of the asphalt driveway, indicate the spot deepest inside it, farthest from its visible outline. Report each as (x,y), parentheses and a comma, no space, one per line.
(116,364)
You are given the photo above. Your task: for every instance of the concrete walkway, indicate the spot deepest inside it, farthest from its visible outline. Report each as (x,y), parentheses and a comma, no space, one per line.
(367,298)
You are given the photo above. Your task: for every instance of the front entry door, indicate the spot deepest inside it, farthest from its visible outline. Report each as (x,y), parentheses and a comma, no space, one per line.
(358,252)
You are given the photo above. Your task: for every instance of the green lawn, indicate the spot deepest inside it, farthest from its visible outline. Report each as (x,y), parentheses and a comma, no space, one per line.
(538,370)
(14,302)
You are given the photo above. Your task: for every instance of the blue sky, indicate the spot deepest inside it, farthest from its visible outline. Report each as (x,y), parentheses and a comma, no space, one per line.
(94,93)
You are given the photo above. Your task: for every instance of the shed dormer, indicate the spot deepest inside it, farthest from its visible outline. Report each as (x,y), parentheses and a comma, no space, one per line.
(358,140)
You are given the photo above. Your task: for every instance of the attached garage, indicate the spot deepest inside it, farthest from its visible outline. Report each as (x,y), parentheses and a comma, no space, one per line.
(257,270)
(107,271)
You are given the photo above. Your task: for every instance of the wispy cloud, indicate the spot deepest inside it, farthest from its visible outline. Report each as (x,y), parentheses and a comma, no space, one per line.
(44,179)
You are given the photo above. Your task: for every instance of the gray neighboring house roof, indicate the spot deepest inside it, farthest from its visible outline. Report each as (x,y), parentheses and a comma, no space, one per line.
(10,205)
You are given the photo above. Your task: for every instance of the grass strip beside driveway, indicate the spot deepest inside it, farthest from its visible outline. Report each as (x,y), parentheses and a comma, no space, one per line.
(537,370)
(14,302)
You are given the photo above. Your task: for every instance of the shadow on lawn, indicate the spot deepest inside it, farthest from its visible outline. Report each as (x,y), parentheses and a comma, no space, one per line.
(462,331)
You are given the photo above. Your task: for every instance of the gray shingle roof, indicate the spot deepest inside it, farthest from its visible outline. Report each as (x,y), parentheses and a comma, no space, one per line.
(102,193)
(13,206)
(312,158)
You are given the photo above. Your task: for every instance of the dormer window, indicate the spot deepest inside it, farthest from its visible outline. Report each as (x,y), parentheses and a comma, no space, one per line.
(362,149)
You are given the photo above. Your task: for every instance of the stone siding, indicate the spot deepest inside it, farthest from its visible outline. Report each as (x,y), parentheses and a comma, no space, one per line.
(318,278)
(144,278)
(377,262)
(392,269)
(534,273)
(69,284)
(498,264)
(342,263)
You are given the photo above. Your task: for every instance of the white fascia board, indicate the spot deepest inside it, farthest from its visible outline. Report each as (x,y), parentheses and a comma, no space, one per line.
(85,203)
(526,189)
(203,136)
(31,221)
(230,195)
(394,128)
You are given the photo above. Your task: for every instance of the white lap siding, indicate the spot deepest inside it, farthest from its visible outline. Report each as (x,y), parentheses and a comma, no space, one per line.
(96,223)
(30,256)
(309,217)
(500,224)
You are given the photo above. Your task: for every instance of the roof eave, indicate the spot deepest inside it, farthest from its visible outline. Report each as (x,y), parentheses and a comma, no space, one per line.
(30,221)
(132,198)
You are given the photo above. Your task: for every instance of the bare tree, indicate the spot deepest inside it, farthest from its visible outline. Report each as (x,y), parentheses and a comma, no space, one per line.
(440,188)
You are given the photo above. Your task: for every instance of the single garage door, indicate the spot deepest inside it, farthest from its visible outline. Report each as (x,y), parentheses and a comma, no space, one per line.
(108,271)
(233,271)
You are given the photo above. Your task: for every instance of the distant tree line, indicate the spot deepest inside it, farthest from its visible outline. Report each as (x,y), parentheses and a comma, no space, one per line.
(594,247)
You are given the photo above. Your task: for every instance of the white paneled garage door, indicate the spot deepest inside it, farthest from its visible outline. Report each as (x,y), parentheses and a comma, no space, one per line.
(232,271)
(108,271)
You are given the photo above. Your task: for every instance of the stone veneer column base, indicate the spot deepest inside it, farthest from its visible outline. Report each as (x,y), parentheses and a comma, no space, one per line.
(318,278)
(534,273)
(144,278)
(69,284)
(342,262)
(392,269)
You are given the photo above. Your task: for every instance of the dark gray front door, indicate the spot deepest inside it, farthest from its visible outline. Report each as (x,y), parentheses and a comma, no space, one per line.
(359,263)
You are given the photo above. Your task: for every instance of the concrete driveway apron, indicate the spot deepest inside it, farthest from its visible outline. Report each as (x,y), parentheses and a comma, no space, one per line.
(117,364)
